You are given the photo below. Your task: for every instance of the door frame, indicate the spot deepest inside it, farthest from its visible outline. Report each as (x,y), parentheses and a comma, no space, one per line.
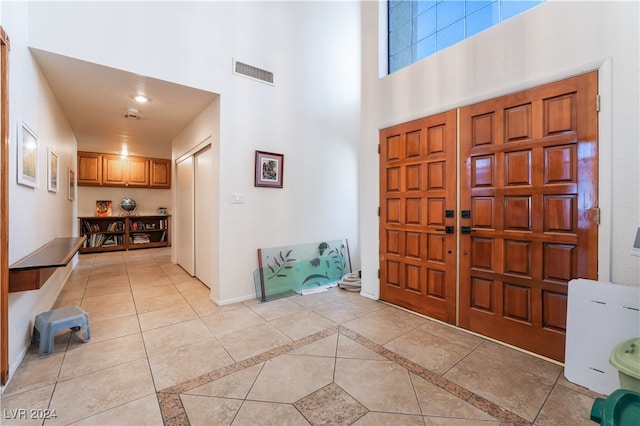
(4,207)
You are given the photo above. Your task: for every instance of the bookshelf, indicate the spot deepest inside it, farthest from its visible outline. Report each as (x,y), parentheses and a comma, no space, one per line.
(148,231)
(123,232)
(103,234)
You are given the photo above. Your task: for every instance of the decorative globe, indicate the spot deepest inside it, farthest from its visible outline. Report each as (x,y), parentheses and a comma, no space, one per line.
(128,204)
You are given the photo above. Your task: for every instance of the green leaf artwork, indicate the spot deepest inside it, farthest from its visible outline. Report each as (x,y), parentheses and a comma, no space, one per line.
(294,269)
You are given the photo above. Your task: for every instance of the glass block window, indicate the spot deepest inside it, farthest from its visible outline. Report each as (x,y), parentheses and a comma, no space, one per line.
(418,29)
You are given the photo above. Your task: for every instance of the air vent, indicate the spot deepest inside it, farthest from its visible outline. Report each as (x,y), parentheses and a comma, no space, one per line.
(252,72)
(132,114)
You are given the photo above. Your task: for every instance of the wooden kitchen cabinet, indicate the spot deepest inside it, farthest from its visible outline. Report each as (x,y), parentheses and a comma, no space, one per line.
(160,173)
(89,169)
(137,172)
(96,169)
(113,170)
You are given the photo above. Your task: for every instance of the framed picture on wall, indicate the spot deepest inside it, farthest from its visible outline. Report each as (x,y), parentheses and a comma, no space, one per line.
(269,169)
(71,190)
(27,156)
(52,170)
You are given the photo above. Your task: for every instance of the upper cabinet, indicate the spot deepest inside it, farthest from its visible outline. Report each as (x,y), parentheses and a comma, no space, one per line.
(89,168)
(160,173)
(95,169)
(113,170)
(125,171)
(138,172)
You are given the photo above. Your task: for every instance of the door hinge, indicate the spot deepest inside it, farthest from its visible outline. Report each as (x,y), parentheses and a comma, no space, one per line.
(597,103)
(378,273)
(378,211)
(597,215)
(378,148)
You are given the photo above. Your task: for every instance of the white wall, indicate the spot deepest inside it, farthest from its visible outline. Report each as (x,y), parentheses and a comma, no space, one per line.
(552,41)
(36,216)
(147,200)
(311,114)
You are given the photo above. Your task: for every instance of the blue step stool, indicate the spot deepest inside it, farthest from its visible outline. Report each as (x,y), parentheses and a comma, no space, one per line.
(47,324)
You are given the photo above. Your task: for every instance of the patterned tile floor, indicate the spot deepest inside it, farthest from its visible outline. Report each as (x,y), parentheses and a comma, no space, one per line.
(162,353)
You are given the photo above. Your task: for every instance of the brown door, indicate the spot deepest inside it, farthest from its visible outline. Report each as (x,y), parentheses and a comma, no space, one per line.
(529,185)
(418,198)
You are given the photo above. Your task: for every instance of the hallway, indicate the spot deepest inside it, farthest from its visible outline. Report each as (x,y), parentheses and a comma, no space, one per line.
(162,352)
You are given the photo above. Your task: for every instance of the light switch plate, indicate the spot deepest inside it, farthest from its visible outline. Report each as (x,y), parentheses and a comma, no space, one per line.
(237,198)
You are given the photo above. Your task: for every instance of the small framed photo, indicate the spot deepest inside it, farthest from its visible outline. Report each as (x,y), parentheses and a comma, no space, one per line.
(269,169)
(52,170)
(103,208)
(71,190)
(27,156)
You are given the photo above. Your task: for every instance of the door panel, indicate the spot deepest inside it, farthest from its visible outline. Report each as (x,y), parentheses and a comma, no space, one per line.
(89,168)
(417,188)
(138,172)
(160,173)
(203,206)
(185,226)
(113,170)
(529,180)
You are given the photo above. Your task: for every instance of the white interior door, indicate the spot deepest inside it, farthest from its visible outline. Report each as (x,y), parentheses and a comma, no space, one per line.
(203,208)
(185,227)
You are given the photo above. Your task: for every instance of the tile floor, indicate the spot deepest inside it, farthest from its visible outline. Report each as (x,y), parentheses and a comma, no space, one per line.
(162,352)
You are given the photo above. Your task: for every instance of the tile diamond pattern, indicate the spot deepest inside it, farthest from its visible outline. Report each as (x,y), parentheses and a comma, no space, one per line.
(330,405)
(162,353)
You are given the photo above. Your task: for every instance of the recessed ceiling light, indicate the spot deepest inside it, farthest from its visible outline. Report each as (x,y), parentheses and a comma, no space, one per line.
(141,99)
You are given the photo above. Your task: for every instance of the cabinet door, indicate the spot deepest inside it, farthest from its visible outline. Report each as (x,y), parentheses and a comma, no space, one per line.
(89,169)
(138,172)
(113,170)
(160,173)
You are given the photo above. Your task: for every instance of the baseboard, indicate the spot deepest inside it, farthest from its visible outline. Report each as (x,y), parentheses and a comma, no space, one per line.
(232,301)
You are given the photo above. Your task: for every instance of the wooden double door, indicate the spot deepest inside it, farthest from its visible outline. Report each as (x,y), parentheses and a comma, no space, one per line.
(489,239)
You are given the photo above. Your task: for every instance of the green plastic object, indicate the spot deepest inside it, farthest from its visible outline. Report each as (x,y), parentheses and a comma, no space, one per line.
(625,357)
(621,408)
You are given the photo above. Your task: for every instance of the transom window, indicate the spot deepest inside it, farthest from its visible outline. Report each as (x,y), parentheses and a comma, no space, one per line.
(418,29)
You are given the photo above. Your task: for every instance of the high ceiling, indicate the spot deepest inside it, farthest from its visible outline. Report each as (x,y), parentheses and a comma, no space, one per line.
(95,100)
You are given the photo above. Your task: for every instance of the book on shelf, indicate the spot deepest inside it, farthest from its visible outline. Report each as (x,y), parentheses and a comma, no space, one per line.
(109,241)
(140,238)
(115,226)
(88,226)
(103,240)
(95,240)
